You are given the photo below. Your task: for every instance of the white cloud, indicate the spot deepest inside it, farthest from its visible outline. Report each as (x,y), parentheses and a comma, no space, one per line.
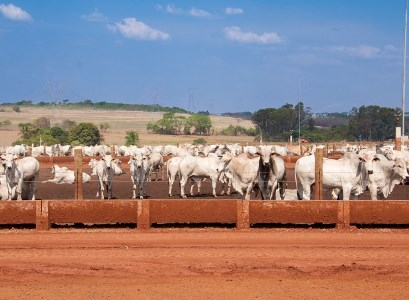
(361,51)
(172,9)
(14,13)
(234,33)
(195,12)
(233,11)
(134,29)
(95,16)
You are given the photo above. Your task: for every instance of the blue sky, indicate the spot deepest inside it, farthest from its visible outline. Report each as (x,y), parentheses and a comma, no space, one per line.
(220,56)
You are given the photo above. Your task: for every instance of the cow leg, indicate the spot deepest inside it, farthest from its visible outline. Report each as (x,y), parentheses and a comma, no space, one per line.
(183,181)
(19,188)
(214,184)
(283,186)
(33,188)
(109,189)
(248,191)
(373,189)
(346,191)
(171,181)
(100,192)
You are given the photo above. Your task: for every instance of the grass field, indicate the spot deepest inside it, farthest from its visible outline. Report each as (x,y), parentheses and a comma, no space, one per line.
(120,122)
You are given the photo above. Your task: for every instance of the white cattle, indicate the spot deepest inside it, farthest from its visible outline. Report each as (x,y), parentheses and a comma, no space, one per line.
(156,163)
(139,168)
(173,171)
(64,175)
(347,174)
(386,174)
(198,168)
(106,168)
(21,173)
(4,192)
(243,170)
(271,173)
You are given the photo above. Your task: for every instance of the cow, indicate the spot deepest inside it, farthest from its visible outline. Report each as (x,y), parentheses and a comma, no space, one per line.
(198,168)
(385,175)
(173,171)
(106,168)
(21,173)
(271,173)
(347,174)
(139,168)
(64,175)
(156,164)
(243,170)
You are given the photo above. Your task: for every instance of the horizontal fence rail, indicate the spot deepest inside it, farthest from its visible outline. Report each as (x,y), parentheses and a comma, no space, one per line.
(243,214)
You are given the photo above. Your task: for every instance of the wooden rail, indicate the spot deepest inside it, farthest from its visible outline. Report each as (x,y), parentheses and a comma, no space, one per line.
(242,213)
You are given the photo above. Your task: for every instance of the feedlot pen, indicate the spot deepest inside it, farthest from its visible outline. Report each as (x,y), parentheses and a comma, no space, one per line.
(58,205)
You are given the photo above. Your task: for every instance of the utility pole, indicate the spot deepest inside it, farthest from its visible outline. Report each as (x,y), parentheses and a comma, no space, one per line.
(404,70)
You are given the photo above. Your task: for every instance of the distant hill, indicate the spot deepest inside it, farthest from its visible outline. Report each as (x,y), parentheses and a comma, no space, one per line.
(88,104)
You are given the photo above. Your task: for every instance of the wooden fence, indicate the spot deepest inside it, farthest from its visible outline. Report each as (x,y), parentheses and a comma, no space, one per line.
(242,214)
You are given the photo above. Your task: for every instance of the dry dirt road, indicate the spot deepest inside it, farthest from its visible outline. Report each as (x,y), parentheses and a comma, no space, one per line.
(200,263)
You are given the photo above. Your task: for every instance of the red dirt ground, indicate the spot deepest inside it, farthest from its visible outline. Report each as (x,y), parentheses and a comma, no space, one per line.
(204,264)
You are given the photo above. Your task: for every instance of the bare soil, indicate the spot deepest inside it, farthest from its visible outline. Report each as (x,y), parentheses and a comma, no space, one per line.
(204,264)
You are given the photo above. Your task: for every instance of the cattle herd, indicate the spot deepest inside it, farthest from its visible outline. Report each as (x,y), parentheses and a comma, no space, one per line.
(252,171)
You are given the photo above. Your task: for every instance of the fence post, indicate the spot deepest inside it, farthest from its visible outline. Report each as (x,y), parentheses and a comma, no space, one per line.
(79,188)
(318,193)
(398,144)
(113,153)
(344,214)
(42,218)
(243,214)
(143,221)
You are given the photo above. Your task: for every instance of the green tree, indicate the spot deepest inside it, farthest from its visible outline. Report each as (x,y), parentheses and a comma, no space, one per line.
(373,123)
(27,130)
(131,138)
(59,134)
(201,124)
(85,134)
(281,121)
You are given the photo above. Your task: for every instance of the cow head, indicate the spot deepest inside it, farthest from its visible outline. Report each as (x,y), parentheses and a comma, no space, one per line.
(8,160)
(264,152)
(368,158)
(400,168)
(138,159)
(224,161)
(108,160)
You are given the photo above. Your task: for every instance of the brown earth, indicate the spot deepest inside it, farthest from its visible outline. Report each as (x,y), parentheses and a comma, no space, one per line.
(204,264)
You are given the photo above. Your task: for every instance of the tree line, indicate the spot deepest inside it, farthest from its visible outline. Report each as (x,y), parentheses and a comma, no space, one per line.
(368,123)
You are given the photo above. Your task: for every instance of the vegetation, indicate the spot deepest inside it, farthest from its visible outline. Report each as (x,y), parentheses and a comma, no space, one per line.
(238,130)
(369,123)
(95,105)
(366,123)
(172,124)
(199,141)
(5,123)
(131,138)
(39,132)
(84,134)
